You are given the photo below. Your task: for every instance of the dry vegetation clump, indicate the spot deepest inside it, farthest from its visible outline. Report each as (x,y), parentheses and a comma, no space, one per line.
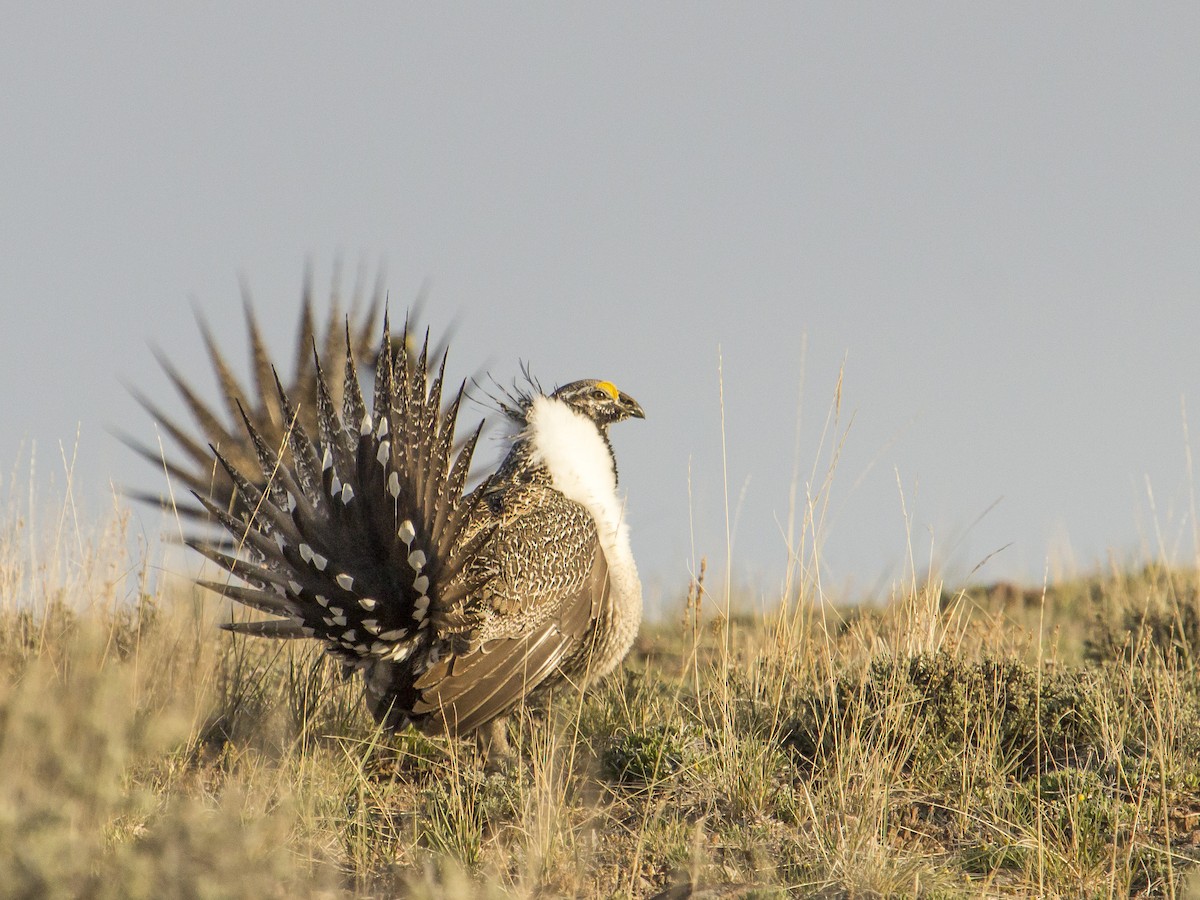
(1154,613)
(943,744)
(928,709)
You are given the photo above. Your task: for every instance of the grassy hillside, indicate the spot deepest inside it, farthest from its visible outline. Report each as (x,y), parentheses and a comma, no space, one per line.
(947,744)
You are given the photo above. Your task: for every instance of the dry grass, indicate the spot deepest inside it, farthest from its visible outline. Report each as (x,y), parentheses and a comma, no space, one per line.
(972,743)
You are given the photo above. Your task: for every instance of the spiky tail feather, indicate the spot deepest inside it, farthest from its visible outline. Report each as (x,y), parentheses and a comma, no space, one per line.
(357,536)
(196,470)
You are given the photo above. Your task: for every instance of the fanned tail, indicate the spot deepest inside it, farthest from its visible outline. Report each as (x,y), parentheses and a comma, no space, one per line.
(350,524)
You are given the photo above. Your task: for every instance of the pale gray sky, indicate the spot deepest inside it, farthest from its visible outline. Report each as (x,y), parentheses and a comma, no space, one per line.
(990,212)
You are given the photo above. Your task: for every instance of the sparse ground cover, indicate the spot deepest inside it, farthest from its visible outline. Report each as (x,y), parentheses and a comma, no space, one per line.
(946,743)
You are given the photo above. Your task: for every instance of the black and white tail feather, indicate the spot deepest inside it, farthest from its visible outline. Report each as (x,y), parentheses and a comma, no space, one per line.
(358,534)
(196,470)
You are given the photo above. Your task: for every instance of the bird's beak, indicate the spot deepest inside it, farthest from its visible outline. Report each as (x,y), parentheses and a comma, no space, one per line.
(632,408)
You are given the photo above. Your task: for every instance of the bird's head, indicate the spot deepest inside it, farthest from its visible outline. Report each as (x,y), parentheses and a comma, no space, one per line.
(600,401)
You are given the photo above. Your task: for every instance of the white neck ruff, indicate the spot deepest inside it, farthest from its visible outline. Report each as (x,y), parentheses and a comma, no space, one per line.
(581,467)
(580,463)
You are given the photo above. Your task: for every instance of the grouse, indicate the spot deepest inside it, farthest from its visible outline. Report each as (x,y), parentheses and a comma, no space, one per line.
(351,523)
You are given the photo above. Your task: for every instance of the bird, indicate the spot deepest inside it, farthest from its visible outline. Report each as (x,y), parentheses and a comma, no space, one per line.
(350,523)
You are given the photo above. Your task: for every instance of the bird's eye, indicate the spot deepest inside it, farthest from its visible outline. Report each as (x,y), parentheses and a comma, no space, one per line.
(599,395)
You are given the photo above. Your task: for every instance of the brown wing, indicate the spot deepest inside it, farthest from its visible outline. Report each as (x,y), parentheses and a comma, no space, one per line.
(464,692)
